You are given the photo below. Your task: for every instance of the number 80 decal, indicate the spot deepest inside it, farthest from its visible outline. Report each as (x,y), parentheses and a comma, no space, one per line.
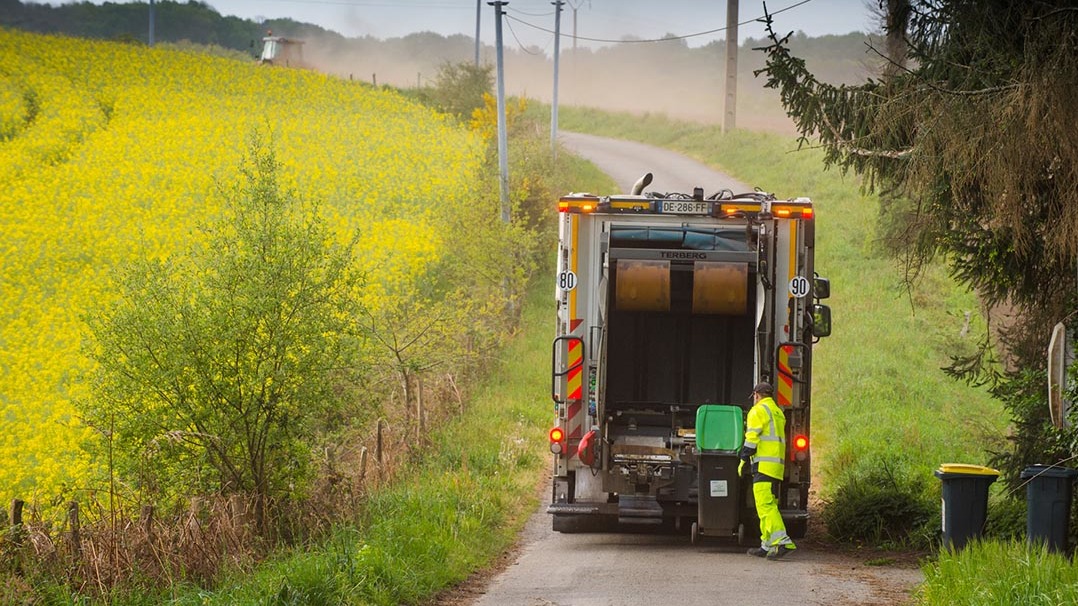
(566,280)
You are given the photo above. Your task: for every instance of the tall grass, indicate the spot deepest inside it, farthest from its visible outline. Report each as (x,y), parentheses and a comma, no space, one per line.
(1000,572)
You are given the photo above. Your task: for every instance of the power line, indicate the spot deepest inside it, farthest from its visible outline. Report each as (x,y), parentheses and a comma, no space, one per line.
(521,44)
(532,14)
(653,40)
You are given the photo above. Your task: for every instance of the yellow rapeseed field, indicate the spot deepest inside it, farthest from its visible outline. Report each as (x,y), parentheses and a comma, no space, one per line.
(110,152)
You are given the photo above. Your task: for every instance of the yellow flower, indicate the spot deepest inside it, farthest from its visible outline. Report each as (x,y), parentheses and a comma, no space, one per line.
(111,153)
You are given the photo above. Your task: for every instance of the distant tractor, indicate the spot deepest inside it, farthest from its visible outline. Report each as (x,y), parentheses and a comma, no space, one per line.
(278,50)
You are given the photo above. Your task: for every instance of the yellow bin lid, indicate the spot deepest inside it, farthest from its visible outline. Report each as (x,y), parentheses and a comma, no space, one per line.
(976,470)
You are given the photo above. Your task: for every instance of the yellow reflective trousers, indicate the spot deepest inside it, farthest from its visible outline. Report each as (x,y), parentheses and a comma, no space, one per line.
(772,529)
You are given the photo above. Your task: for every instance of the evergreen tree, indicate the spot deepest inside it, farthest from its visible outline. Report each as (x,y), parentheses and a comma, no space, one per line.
(969,134)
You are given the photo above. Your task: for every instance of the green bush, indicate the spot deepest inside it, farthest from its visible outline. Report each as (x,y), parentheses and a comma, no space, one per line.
(459,88)
(1006,518)
(884,503)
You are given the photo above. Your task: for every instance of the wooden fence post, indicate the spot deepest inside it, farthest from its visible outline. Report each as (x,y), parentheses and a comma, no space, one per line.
(73,525)
(420,425)
(193,531)
(145,520)
(241,514)
(18,533)
(16,512)
(363,464)
(378,444)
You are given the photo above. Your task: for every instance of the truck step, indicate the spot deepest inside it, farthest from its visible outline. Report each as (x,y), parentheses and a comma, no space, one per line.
(639,509)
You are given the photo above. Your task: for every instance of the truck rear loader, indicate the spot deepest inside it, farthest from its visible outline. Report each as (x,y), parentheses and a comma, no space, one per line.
(670,307)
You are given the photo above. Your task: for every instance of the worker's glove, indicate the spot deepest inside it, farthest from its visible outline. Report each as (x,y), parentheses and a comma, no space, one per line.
(745,454)
(745,469)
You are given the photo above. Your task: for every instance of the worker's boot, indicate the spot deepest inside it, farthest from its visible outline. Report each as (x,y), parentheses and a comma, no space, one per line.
(759,552)
(778,553)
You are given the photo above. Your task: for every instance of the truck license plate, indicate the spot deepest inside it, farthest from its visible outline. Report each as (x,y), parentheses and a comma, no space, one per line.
(686,207)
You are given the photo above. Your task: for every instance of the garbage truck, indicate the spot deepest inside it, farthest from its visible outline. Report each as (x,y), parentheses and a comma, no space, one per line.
(670,308)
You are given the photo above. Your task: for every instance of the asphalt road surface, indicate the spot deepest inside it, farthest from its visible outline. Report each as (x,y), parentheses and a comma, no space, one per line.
(628,569)
(612,569)
(626,161)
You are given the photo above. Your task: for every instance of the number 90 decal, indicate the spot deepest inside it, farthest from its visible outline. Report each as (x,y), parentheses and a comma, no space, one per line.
(799,286)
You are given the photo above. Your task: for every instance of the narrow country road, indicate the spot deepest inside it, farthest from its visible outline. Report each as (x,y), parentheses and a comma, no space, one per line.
(627,161)
(629,569)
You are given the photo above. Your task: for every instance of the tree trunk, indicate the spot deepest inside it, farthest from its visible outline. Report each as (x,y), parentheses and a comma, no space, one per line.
(897,22)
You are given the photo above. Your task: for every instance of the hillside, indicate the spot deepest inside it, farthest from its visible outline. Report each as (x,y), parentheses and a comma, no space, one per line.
(111,153)
(668,77)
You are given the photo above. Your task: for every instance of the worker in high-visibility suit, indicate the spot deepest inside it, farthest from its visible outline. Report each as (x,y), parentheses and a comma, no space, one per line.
(765,450)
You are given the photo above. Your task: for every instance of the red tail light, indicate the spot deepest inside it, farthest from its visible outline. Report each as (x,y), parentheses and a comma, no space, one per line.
(800,450)
(557,440)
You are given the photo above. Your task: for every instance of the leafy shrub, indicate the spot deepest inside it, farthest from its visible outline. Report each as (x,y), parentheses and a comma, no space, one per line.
(1006,518)
(459,88)
(222,359)
(882,503)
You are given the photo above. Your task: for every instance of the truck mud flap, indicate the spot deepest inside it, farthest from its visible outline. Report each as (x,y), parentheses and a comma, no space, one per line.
(639,509)
(796,523)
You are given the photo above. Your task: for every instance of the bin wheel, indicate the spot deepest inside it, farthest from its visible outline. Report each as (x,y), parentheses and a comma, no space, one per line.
(741,534)
(695,533)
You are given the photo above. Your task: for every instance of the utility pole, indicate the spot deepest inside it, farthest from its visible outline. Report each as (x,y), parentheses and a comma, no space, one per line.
(503,144)
(554,103)
(478,9)
(151,37)
(729,120)
(574,30)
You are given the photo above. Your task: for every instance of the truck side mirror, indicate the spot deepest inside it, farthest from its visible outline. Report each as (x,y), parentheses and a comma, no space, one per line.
(821,320)
(821,287)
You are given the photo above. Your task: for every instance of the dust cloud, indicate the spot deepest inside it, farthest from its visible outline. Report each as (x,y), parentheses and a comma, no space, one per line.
(641,78)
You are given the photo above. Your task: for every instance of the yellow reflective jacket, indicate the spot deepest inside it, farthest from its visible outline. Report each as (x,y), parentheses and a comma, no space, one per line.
(765,432)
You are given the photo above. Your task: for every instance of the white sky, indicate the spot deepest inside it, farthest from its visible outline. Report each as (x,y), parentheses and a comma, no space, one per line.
(602,19)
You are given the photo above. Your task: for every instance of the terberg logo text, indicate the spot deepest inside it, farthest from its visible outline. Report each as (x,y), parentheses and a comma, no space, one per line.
(683,255)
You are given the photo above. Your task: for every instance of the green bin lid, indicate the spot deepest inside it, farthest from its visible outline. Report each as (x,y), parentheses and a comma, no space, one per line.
(963,468)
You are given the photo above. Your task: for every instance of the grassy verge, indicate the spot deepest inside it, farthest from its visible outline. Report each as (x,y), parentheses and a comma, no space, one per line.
(996,572)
